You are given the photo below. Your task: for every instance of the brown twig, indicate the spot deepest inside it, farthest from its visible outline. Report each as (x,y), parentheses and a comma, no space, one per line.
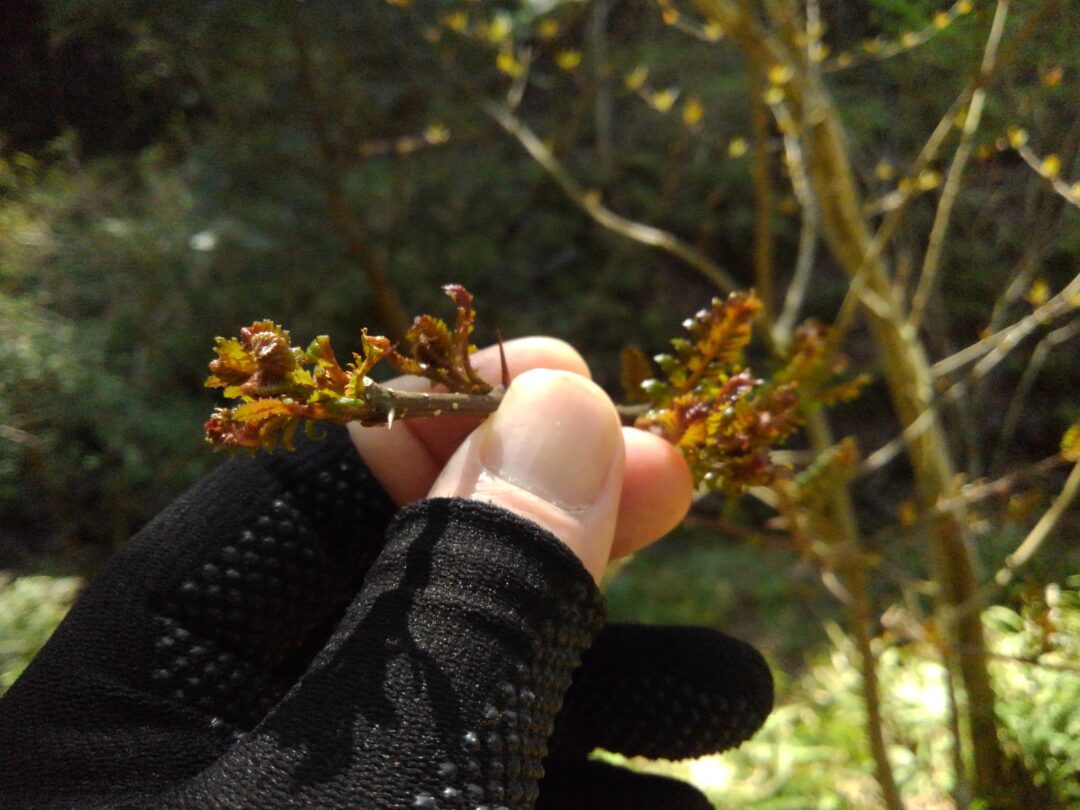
(382,405)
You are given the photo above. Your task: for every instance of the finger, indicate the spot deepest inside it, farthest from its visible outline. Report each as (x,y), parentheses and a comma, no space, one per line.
(584,784)
(664,693)
(656,494)
(408,458)
(657,486)
(554,454)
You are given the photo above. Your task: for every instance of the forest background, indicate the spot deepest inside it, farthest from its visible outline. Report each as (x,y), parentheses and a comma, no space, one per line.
(597,171)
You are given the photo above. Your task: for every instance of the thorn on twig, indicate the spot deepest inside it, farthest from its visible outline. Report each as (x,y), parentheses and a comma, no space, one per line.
(502,360)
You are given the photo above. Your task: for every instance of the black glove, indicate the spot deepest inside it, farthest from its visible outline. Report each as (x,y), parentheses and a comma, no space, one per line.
(279,638)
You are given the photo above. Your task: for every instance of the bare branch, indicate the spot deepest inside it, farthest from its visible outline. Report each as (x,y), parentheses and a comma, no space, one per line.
(1027,380)
(1070,193)
(883,235)
(591,205)
(876,51)
(887,452)
(932,260)
(1041,531)
(382,405)
(516,92)
(1024,553)
(1006,339)
(1033,661)
(977,491)
(804,262)
(16,435)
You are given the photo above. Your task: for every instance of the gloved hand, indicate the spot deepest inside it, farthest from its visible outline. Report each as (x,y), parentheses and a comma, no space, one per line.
(284,636)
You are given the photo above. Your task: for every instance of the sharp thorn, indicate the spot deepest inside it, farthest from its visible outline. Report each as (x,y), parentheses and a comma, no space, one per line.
(502,360)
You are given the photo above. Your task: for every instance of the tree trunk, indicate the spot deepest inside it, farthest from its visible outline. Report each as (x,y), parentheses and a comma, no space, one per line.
(906,370)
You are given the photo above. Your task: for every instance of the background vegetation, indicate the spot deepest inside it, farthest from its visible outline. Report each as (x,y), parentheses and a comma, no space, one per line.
(597,170)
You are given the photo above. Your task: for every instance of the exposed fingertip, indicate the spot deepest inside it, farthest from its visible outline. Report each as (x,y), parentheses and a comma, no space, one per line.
(552,453)
(658,490)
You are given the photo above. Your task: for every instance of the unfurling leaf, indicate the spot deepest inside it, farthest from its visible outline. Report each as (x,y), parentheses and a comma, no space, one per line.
(429,349)
(261,363)
(706,407)
(815,370)
(276,387)
(724,419)
(717,338)
(281,387)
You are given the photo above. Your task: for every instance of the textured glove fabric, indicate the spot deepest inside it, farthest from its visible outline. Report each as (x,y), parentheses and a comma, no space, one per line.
(657,692)
(202,623)
(276,638)
(441,685)
(664,693)
(596,785)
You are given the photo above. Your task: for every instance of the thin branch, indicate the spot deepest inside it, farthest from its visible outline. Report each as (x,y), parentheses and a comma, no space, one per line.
(382,405)
(1025,270)
(352,230)
(883,235)
(804,262)
(516,92)
(1027,380)
(926,418)
(888,451)
(1062,303)
(1024,553)
(1041,531)
(600,65)
(911,627)
(1033,661)
(16,435)
(962,789)
(932,260)
(761,176)
(1045,227)
(1069,192)
(591,205)
(874,50)
(855,583)
(974,492)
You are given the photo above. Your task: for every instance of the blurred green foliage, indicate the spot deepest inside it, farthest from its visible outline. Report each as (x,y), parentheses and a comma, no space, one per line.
(30,609)
(812,753)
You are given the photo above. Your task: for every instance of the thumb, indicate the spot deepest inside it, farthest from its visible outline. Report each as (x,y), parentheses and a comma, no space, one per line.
(552,453)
